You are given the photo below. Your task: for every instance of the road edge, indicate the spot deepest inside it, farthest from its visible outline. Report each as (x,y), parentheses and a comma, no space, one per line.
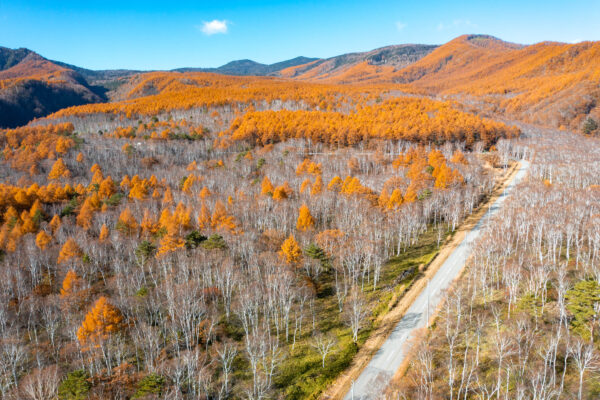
(342,385)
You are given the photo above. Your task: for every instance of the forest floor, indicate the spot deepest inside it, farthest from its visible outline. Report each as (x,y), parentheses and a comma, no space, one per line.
(384,327)
(301,376)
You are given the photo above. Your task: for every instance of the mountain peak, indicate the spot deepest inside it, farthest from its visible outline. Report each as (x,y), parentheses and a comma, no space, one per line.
(486,41)
(11,57)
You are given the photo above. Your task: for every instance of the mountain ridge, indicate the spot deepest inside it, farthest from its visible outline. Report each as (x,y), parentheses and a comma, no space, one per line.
(546,81)
(32,86)
(250,67)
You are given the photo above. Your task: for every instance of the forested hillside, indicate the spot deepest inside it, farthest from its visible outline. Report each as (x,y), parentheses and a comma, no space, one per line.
(187,235)
(548,83)
(159,263)
(522,323)
(31,86)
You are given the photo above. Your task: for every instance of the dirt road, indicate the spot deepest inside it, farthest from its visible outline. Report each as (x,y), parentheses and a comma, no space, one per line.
(385,352)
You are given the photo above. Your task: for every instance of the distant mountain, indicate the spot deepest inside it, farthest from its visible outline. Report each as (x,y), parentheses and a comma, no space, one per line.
(99,76)
(249,67)
(355,67)
(549,83)
(10,57)
(456,61)
(32,86)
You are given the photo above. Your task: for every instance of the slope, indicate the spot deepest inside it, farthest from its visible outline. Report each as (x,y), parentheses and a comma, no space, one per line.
(250,67)
(358,67)
(32,86)
(547,83)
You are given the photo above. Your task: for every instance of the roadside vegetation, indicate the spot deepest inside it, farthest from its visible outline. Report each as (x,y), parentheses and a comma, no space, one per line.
(523,321)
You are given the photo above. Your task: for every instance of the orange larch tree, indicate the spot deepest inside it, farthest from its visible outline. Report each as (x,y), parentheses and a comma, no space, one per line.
(55,223)
(221,220)
(69,251)
(59,170)
(168,197)
(127,223)
(149,224)
(107,188)
(104,233)
(267,187)
(42,240)
(171,241)
(317,187)
(70,285)
(395,199)
(279,193)
(204,218)
(100,322)
(291,251)
(305,219)
(204,193)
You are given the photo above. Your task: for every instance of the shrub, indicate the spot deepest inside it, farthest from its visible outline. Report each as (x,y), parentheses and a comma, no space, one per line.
(75,386)
(214,242)
(151,384)
(315,252)
(114,200)
(69,209)
(144,251)
(194,239)
(589,126)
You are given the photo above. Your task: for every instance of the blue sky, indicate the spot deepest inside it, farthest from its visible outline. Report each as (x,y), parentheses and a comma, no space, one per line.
(170,34)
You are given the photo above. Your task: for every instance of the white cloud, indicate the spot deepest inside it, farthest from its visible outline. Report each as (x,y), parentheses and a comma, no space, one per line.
(213,27)
(400,25)
(575,41)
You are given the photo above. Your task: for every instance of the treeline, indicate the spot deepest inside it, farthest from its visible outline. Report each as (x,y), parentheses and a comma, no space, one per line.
(154,93)
(417,120)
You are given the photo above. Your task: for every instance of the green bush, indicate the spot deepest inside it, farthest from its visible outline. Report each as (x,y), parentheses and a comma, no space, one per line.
(75,386)
(241,155)
(69,209)
(426,193)
(144,251)
(151,384)
(114,200)
(214,242)
(580,302)
(315,252)
(194,239)
(590,126)
(182,182)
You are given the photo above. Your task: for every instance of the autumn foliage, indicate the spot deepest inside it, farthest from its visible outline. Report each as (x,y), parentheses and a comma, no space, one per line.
(291,251)
(100,322)
(305,220)
(419,120)
(221,214)
(69,251)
